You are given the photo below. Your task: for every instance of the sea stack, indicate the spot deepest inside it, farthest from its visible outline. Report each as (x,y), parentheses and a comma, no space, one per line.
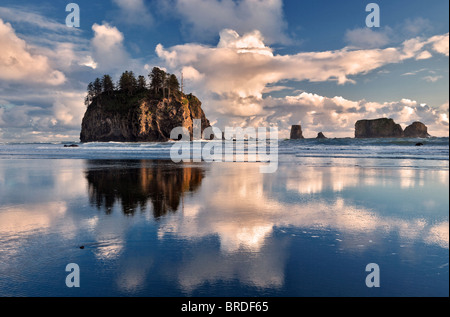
(416,130)
(320,135)
(140,120)
(378,128)
(296,132)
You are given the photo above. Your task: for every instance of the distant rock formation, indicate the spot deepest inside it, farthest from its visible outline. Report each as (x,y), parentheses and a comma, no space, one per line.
(416,130)
(296,132)
(139,119)
(387,128)
(320,135)
(378,128)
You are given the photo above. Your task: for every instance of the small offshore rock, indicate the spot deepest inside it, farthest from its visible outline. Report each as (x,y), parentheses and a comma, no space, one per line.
(296,132)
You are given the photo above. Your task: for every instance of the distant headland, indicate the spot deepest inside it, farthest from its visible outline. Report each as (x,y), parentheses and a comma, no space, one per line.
(134,111)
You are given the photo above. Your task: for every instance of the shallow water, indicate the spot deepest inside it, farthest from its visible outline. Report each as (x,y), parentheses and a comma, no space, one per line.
(155,228)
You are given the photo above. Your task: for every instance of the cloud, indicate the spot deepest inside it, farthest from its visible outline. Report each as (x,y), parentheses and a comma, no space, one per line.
(68,109)
(366,38)
(23,16)
(440,43)
(416,26)
(246,64)
(338,115)
(18,64)
(107,47)
(231,78)
(43,115)
(424,55)
(134,12)
(204,19)
(432,79)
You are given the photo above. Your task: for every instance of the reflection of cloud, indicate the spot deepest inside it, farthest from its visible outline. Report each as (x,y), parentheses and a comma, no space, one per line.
(239,211)
(31,218)
(438,234)
(264,269)
(109,249)
(238,205)
(17,223)
(133,273)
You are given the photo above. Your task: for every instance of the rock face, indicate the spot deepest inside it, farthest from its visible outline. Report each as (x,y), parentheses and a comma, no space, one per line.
(378,128)
(320,135)
(387,128)
(416,130)
(296,132)
(139,119)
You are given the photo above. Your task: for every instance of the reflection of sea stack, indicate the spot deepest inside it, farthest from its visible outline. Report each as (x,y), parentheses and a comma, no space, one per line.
(296,132)
(160,183)
(320,135)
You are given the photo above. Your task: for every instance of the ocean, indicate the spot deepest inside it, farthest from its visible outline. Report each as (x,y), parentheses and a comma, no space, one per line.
(338,217)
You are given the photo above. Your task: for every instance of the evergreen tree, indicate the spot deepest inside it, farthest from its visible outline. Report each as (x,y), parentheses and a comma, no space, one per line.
(90,95)
(141,83)
(107,85)
(97,87)
(173,84)
(157,78)
(128,83)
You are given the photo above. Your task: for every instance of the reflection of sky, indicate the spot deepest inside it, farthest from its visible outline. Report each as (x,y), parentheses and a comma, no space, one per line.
(242,206)
(351,208)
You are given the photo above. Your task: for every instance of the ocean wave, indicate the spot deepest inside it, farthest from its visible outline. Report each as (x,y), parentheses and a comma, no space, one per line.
(433,149)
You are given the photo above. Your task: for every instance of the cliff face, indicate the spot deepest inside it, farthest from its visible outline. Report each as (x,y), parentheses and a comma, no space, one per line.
(296,132)
(416,130)
(378,128)
(139,119)
(387,128)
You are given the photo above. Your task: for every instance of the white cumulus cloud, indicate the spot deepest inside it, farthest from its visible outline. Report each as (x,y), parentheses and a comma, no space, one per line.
(18,63)
(232,76)
(107,45)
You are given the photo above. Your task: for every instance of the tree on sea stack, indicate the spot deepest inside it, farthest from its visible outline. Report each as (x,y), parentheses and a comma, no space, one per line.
(157,78)
(107,85)
(135,113)
(128,83)
(173,84)
(90,95)
(97,87)
(141,83)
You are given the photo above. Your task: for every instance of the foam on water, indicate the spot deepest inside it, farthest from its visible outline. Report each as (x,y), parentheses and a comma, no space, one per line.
(433,149)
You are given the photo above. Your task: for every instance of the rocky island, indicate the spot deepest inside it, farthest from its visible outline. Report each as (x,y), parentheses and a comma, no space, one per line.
(296,132)
(131,111)
(387,128)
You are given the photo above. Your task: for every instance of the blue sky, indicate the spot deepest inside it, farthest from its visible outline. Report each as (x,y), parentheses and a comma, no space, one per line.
(251,62)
